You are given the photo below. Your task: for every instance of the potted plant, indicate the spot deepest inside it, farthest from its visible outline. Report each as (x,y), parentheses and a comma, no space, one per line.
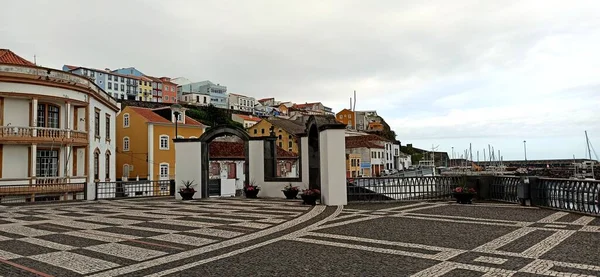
(290,191)
(463,193)
(251,190)
(310,196)
(187,192)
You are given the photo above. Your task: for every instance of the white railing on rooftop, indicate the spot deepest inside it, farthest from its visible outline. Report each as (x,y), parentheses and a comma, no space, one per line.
(57,75)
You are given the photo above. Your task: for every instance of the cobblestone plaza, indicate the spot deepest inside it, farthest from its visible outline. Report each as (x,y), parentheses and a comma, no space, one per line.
(240,237)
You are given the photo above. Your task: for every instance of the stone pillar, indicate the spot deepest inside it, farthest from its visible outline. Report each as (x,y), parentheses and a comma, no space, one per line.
(34,115)
(333,167)
(188,166)
(68,119)
(69,158)
(32,159)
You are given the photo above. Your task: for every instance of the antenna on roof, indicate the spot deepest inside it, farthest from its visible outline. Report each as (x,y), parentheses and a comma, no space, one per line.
(34,60)
(354,107)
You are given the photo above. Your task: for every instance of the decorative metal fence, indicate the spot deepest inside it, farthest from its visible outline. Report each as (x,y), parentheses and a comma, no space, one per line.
(143,188)
(401,188)
(42,192)
(505,189)
(567,194)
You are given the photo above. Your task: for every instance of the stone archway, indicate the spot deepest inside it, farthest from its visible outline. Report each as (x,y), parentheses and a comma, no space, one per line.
(206,138)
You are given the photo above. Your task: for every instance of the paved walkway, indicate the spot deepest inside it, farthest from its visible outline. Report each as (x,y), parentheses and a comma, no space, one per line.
(240,237)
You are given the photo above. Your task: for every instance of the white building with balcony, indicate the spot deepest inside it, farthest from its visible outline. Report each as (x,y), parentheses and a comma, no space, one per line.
(57,133)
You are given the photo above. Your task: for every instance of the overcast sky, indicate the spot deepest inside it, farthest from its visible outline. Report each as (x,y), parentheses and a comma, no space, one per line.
(441,73)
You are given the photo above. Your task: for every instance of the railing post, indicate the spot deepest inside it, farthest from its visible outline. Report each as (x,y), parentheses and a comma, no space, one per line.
(172,187)
(534,191)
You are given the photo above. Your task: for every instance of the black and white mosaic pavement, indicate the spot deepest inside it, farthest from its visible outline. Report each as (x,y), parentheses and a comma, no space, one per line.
(242,237)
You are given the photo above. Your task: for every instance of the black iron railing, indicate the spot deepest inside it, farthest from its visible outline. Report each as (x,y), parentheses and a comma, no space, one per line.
(123,189)
(42,192)
(504,189)
(401,188)
(567,194)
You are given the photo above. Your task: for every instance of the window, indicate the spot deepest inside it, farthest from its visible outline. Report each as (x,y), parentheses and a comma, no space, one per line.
(164,142)
(126,144)
(262,131)
(107,164)
(96,164)
(164,171)
(255,131)
(290,144)
(231,171)
(109,77)
(179,117)
(46,163)
(48,115)
(122,80)
(109,85)
(125,170)
(126,120)
(97,123)
(122,87)
(107,127)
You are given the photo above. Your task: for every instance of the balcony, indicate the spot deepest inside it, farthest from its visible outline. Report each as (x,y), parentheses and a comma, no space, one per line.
(29,135)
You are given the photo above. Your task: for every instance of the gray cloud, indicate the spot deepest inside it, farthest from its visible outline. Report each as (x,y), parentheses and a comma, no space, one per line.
(417,62)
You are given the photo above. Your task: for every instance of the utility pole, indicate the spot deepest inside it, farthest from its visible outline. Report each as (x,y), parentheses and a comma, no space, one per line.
(477,156)
(452,156)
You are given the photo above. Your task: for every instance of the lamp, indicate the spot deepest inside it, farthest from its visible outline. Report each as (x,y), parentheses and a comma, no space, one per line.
(176,109)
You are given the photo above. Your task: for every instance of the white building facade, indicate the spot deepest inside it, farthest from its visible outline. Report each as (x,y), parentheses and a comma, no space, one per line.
(239,102)
(57,129)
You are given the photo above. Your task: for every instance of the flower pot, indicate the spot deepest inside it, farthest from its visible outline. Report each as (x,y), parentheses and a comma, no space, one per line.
(251,193)
(187,195)
(463,198)
(290,194)
(310,199)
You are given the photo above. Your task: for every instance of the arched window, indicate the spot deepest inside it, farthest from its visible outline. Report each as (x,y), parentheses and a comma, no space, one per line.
(126,144)
(163,142)
(125,170)
(126,120)
(107,164)
(97,164)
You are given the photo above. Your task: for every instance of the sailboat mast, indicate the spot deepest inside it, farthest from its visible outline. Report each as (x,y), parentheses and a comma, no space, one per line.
(587,141)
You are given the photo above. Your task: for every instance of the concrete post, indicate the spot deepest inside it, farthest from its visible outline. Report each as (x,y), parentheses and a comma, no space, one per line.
(333,167)
(188,166)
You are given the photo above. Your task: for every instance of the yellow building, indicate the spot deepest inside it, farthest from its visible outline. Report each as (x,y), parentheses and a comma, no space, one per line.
(287,132)
(145,141)
(144,89)
(347,117)
(352,165)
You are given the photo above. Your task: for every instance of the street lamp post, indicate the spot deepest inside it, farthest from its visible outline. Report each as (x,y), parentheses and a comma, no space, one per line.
(525,149)
(176,109)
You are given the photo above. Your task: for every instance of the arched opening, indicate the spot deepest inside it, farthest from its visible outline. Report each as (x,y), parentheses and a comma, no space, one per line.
(224,166)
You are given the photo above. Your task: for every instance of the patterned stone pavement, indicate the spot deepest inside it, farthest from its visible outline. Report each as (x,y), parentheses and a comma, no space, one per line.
(242,237)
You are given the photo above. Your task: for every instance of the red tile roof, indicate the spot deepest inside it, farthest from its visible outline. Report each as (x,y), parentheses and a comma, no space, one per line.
(362,141)
(235,150)
(153,117)
(7,56)
(248,117)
